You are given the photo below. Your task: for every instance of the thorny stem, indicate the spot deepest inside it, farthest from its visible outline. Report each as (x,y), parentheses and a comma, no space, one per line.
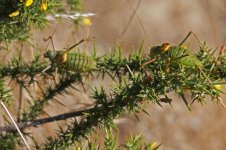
(23,125)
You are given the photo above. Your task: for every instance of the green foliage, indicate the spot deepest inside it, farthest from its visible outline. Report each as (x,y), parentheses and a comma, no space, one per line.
(17,18)
(5,94)
(138,80)
(133,143)
(138,83)
(49,95)
(8,141)
(110,142)
(75,5)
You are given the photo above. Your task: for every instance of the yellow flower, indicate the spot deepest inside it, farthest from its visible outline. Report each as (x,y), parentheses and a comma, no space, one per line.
(218,86)
(184,46)
(14,14)
(78,148)
(153,145)
(43,6)
(27,3)
(87,21)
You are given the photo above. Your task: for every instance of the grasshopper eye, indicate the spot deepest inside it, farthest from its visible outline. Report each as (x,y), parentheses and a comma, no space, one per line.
(165,47)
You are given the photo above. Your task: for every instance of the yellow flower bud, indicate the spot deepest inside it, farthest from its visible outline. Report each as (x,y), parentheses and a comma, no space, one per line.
(184,46)
(27,3)
(43,6)
(87,21)
(14,14)
(153,145)
(218,86)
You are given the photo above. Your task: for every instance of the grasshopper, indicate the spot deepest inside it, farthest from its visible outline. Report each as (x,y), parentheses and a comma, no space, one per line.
(78,62)
(175,55)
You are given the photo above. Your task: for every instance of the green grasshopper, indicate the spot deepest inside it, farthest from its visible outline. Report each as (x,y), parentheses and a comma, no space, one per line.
(77,62)
(179,55)
(175,55)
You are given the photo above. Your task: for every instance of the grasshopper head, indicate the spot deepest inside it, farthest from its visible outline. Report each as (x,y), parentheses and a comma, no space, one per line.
(158,50)
(165,47)
(50,55)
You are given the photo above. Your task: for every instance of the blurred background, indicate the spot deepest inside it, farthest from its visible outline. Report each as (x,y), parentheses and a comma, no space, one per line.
(128,23)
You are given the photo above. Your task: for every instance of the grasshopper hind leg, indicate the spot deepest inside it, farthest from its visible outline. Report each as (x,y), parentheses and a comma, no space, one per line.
(188,35)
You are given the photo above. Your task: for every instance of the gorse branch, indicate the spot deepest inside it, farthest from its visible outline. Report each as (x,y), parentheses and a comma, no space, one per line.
(37,122)
(19,16)
(61,87)
(170,72)
(138,79)
(141,79)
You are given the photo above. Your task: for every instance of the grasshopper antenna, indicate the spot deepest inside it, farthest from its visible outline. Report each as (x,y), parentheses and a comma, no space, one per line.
(73,46)
(78,43)
(51,39)
(131,18)
(51,36)
(134,14)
